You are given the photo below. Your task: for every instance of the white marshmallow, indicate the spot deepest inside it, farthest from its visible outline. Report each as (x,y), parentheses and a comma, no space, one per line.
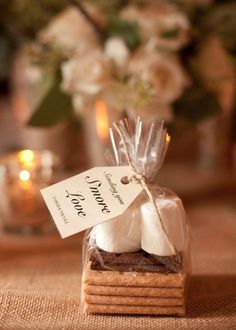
(121,234)
(172,213)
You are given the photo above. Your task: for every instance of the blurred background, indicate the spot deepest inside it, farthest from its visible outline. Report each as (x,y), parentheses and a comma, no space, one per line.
(69,68)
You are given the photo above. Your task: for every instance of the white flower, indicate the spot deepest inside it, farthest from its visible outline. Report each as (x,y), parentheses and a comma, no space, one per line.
(86,73)
(117,51)
(69,30)
(160,20)
(163,72)
(33,73)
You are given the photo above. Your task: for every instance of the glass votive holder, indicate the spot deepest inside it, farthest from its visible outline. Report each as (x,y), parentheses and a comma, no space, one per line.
(22,175)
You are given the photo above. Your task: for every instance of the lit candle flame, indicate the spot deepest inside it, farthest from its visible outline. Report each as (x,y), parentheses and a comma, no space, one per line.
(24,175)
(25,180)
(26,158)
(168,138)
(101,114)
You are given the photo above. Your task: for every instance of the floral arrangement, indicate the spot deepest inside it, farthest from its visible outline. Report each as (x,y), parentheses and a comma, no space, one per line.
(157,58)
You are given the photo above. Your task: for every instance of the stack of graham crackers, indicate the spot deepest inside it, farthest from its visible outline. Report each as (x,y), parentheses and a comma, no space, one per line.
(133,283)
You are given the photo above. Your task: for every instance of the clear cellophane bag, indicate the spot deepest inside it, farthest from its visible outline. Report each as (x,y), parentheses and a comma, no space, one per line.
(152,235)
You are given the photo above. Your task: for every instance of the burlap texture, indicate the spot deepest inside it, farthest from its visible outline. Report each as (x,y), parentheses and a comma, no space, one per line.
(40,280)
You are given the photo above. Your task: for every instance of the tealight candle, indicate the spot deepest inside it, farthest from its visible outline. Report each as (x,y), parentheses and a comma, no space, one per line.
(24,173)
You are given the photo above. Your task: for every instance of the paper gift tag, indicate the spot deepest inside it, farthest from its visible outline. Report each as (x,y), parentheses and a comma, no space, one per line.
(90,198)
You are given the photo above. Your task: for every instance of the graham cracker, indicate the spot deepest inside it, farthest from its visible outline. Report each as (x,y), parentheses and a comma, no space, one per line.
(133,291)
(137,301)
(141,310)
(115,278)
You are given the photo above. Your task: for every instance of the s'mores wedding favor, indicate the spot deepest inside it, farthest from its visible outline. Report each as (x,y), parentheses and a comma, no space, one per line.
(136,257)
(138,262)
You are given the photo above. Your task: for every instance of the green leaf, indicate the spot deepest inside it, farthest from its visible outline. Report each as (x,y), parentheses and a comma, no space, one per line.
(128,31)
(54,107)
(196,104)
(171,34)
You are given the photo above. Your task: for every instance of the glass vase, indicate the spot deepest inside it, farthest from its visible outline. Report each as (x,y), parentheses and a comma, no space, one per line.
(214,143)
(98,117)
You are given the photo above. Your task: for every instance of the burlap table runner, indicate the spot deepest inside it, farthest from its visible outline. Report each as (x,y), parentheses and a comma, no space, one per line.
(40,280)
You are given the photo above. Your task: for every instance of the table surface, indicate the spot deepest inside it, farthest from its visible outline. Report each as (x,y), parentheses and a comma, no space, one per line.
(40,278)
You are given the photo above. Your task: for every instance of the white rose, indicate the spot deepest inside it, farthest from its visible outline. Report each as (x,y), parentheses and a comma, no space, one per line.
(161,20)
(86,73)
(117,51)
(163,72)
(69,30)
